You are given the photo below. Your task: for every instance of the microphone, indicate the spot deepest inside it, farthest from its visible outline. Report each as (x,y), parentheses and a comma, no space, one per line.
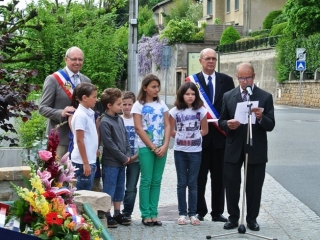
(249,90)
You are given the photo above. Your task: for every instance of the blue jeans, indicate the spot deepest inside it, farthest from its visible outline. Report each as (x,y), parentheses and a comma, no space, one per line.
(132,177)
(187,168)
(113,182)
(84,182)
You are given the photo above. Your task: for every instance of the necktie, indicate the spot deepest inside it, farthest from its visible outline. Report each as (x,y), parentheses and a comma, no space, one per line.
(244,95)
(210,86)
(76,79)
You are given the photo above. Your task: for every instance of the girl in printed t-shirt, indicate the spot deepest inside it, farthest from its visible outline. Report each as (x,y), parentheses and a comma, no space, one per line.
(188,123)
(151,121)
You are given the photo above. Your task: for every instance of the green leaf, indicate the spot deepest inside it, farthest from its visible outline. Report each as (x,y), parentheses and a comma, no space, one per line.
(27,182)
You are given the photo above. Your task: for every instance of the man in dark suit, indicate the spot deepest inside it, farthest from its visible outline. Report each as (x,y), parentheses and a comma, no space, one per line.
(236,146)
(55,102)
(214,142)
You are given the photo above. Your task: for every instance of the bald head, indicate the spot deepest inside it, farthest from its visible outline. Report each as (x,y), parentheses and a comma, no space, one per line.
(208,60)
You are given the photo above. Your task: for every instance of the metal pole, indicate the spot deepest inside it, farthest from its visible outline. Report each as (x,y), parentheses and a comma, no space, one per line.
(300,88)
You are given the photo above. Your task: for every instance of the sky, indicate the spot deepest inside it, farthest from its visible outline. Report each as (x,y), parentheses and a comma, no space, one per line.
(21,4)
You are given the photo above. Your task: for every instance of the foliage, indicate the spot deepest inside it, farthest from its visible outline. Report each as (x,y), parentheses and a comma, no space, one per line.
(149,52)
(194,12)
(147,26)
(32,131)
(277,29)
(303,17)
(280,19)
(259,32)
(14,89)
(268,21)
(178,11)
(43,205)
(229,35)
(181,32)
(91,29)
(184,9)
(217,21)
(286,55)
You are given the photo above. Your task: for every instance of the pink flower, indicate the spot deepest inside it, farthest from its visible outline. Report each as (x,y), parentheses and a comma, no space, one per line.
(65,158)
(45,155)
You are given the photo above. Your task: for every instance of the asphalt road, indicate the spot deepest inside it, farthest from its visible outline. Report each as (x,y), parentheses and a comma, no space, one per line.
(294,153)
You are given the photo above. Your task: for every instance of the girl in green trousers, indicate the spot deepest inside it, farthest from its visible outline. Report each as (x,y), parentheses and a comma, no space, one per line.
(151,121)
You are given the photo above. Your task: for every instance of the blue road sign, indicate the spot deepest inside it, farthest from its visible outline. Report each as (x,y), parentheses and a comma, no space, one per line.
(301,65)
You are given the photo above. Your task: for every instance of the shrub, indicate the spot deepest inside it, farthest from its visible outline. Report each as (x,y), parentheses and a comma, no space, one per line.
(259,32)
(277,29)
(280,19)
(32,131)
(268,21)
(229,35)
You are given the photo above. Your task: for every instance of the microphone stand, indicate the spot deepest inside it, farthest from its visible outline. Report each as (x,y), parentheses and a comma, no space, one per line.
(242,228)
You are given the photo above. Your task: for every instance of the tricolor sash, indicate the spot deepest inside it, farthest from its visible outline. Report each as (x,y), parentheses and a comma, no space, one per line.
(65,83)
(212,112)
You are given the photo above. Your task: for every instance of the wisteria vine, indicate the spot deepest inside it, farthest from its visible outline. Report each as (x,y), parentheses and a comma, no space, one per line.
(149,52)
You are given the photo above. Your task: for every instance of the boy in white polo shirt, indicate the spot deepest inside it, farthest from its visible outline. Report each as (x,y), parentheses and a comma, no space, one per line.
(85,135)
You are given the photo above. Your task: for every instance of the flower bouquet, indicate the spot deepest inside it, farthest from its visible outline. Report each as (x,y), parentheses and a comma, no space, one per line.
(44,207)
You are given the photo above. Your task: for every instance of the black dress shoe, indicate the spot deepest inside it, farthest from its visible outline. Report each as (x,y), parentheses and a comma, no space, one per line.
(230,225)
(219,218)
(157,223)
(148,224)
(200,217)
(254,226)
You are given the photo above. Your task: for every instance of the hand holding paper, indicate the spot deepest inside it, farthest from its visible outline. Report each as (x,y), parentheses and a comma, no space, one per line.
(242,111)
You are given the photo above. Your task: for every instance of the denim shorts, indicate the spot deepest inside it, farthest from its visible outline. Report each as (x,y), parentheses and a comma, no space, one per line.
(84,182)
(113,182)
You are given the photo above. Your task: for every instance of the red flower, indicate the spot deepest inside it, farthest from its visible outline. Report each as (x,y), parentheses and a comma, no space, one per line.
(27,219)
(52,218)
(84,234)
(49,195)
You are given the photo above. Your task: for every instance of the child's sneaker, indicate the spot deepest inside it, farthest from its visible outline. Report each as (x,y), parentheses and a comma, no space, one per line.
(127,215)
(122,219)
(111,222)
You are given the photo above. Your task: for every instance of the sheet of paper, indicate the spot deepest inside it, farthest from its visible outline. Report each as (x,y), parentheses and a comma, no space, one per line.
(242,111)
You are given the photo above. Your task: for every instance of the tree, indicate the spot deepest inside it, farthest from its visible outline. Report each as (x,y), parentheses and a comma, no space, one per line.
(303,17)
(147,26)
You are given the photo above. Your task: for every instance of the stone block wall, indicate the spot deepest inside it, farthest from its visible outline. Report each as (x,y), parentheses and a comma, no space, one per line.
(14,175)
(305,95)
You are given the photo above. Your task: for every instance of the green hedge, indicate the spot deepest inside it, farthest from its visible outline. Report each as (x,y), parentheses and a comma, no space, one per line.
(268,21)
(259,32)
(229,35)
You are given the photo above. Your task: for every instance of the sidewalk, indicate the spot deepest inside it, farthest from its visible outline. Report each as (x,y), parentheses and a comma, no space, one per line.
(282,216)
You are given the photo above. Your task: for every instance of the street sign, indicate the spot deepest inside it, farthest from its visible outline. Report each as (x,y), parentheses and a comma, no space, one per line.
(301,65)
(301,54)
(166,56)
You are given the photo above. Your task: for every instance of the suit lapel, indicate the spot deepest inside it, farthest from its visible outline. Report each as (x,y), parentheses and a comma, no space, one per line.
(203,83)
(218,86)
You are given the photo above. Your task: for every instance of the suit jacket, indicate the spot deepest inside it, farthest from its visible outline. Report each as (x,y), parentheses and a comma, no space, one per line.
(224,83)
(53,101)
(236,139)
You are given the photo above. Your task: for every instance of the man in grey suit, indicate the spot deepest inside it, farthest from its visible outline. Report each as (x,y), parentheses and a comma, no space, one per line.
(236,146)
(57,90)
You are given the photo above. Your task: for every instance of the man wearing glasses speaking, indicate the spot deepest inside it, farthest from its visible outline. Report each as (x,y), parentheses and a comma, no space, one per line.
(236,148)
(57,93)
(212,85)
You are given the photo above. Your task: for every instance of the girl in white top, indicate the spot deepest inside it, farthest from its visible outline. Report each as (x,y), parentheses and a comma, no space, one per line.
(188,123)
(151,121)
(85,135)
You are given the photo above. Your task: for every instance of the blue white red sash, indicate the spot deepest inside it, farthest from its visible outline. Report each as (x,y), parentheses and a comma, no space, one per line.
(65,83)
(212,112)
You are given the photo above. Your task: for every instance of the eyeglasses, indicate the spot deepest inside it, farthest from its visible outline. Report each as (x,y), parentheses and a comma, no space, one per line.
(210,59)
(75,59)
(242,79)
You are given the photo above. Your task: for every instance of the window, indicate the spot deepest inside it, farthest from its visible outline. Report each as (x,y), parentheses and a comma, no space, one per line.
(228,6)
(236,4)
(209,7)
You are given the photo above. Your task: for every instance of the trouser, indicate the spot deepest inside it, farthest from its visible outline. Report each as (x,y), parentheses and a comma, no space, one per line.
(151,168)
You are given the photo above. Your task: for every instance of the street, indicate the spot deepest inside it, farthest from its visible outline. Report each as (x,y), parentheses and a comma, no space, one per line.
(294,153)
